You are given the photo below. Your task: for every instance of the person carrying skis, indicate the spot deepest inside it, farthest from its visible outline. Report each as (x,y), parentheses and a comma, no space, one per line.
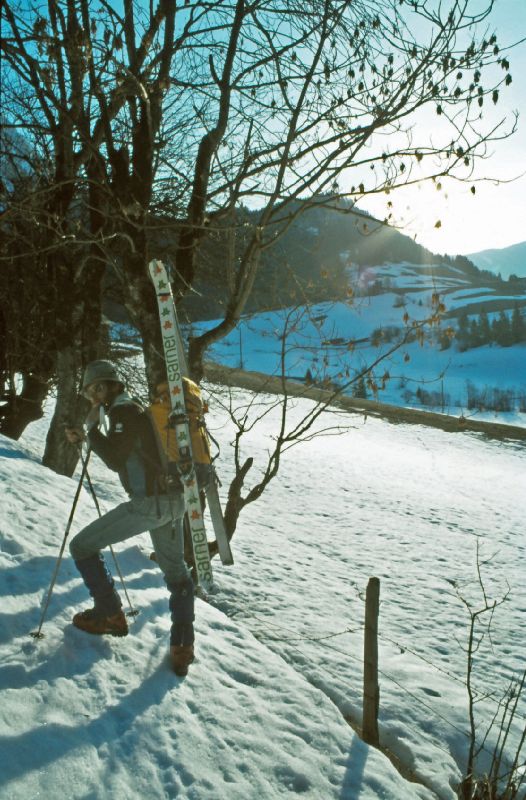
(129,448)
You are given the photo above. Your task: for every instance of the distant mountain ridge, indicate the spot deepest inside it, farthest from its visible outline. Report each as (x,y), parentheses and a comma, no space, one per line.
(311,260)
(507,260)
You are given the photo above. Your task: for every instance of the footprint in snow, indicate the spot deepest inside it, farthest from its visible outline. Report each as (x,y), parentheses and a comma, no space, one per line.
(430,692)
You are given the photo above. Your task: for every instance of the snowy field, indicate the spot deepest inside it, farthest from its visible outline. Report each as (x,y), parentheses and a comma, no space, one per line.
(333,341)
(279,649)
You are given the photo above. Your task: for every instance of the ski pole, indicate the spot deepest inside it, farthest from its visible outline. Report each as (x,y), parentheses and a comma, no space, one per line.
(38,633)
(133,611)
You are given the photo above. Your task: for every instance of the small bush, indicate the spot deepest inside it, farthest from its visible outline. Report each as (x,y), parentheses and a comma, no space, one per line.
(434,399)
(489,398)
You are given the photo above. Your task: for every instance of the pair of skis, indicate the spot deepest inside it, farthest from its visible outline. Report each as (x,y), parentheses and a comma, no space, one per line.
(176,368)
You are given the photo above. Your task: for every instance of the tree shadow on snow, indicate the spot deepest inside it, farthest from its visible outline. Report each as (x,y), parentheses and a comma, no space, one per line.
(69,661)
(23,621)
(34,576)
(19,452)
(73,657)
(36,749)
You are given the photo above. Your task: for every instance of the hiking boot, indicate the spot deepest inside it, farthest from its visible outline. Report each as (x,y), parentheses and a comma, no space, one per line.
(181,657)
(93,621)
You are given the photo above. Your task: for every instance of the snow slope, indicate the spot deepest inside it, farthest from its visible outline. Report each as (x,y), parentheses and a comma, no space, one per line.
(279,650)
(85,717)
(407,504)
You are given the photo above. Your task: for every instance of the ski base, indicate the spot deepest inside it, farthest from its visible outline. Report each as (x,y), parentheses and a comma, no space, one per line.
(216,515)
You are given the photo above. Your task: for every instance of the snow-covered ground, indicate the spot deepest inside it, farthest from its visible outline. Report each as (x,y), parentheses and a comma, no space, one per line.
(336,341)
(279,649)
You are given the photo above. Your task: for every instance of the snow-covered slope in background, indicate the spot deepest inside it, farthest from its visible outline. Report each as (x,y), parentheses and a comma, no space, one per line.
(83,717)
(335,341)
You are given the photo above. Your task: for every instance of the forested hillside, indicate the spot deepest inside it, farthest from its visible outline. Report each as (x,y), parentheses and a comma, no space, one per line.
(309,263)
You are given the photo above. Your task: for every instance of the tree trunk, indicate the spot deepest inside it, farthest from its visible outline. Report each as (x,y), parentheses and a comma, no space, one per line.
(70,409)
(21,409)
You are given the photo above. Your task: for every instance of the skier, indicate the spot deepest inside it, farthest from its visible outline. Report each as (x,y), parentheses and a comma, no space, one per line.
(129,448)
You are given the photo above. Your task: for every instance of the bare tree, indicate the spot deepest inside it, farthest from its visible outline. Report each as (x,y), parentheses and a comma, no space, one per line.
(65,90)
(199,108)
(295,101)
(332,382)
(503,778)
(51,264)
(25,367)
(169,117)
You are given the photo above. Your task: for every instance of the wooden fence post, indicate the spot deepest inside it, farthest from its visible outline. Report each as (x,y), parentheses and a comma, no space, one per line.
(371,689)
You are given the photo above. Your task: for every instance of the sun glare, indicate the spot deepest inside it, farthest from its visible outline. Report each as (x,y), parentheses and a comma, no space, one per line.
(455,220)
